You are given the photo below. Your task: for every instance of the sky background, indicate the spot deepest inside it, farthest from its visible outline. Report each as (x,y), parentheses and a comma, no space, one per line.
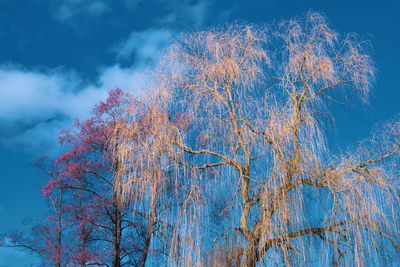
(58,58)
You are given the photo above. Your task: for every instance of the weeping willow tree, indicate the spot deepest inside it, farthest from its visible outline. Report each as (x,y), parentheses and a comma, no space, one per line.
(268,189)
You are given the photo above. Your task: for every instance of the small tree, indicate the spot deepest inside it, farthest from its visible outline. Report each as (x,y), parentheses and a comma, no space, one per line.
(258,100)
(87,224)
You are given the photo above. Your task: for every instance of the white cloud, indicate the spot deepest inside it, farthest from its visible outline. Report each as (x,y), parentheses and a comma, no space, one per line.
(36,105)
(30,94)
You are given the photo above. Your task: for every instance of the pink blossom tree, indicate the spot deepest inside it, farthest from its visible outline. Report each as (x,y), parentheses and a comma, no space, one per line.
(92,170)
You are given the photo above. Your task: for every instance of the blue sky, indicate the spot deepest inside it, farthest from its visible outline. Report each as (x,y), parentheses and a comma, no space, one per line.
(58,58)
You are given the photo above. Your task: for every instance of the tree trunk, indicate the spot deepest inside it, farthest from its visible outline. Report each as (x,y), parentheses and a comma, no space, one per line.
(59,230)
(251,254)
(117,233)
(146,244)
(117,214)
(149,228)
(83,248)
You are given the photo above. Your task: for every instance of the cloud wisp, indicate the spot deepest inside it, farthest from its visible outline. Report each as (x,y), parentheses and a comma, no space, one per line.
(70,8)
(147,45)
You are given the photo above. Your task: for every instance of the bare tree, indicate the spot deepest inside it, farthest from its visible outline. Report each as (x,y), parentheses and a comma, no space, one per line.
(257,99)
